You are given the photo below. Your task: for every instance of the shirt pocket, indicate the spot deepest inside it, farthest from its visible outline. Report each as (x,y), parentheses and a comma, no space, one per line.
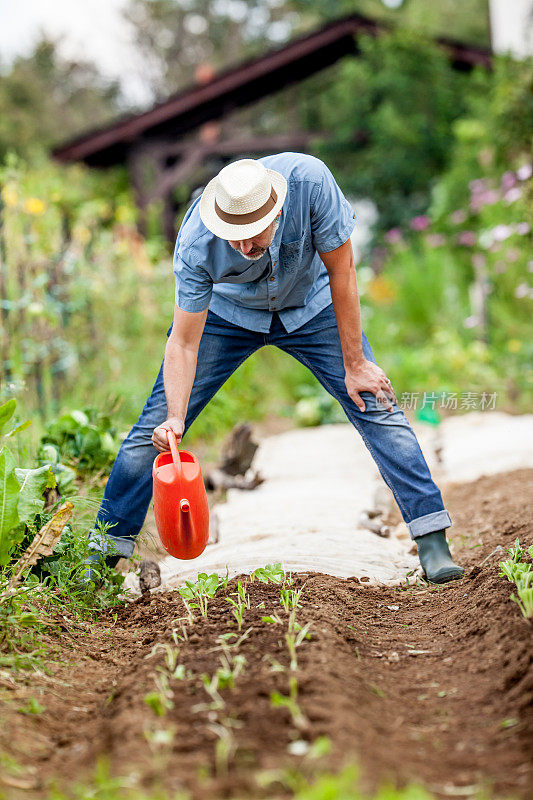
(251,273)
(291,253)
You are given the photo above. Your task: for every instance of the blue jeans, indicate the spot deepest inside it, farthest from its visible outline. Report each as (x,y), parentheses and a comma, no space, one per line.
(223,347)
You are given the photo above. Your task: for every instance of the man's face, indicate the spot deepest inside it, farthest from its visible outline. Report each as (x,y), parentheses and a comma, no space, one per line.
(254,248)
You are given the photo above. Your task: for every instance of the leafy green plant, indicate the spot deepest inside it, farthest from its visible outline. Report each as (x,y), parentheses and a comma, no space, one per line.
(86,440)
(205,587)
(271,573)
(316,406)
(22,498)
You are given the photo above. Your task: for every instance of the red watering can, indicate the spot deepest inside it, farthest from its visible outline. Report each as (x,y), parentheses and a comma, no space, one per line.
(180,502)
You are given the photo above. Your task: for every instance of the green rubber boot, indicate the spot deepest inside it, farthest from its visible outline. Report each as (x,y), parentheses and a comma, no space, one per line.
(436,559)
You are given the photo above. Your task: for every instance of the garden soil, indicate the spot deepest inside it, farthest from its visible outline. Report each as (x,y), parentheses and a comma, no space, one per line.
(414,684)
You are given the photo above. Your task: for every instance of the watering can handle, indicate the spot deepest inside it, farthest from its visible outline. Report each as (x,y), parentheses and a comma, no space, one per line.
(173,442)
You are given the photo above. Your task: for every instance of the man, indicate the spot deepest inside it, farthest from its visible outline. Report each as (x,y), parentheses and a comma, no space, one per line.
(264,257)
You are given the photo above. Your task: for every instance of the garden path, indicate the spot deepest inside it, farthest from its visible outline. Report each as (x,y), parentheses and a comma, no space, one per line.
(318,481)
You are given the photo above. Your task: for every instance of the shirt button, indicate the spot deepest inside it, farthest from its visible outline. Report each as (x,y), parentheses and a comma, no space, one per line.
(275,262)
(272,278)
(273,297)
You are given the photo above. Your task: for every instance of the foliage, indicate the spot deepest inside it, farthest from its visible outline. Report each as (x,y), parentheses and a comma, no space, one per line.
(84,439)
(82,298)
(316,406)
(388,117)
(45,98)
(465,20)
(181,41)
(451,294)
(21,493)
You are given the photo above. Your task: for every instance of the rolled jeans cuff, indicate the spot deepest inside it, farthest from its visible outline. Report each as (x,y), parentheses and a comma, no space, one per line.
(429,523)
(110,545)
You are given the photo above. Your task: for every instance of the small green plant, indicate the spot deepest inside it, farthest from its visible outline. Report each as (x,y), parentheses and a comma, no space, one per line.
(294,637)
(520,573)
(272,573)
(290,598)
(240,604)
(160,700)
(226,745)
(205,587)
(32,707)
(290,702)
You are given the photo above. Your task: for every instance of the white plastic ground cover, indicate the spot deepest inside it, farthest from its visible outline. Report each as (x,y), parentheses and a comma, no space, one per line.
(318,481)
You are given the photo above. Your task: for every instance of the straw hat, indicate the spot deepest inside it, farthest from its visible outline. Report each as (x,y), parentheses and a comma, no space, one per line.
(242,200)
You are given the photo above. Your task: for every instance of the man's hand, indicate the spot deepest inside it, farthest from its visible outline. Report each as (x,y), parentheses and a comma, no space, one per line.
(160,435)
(367,376)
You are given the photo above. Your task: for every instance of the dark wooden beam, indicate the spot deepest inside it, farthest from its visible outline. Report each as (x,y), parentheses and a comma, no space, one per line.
(240,86)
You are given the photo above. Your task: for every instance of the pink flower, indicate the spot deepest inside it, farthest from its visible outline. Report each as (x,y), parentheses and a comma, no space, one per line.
(394,236)
(508,180)
(524,172)
(467,238)
(501,232)
(522,290)
(458,216)
(512,195)
(481,199)
(512,254)
(420,223)
(478,185)
(522,228)
(435,239)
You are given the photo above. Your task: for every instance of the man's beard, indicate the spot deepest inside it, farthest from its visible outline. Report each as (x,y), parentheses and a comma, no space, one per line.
(259,255)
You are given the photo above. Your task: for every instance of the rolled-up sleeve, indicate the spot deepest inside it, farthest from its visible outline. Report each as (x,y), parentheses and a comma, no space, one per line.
(194,286)
(332,217)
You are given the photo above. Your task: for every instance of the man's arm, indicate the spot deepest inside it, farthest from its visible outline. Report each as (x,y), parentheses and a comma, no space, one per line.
(179,369)
(361,374)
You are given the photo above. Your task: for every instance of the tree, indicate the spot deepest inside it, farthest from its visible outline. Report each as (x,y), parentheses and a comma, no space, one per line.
(178,39)
(45,99)
(388,116)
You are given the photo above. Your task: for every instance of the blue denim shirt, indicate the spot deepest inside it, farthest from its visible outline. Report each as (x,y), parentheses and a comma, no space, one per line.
(290,277)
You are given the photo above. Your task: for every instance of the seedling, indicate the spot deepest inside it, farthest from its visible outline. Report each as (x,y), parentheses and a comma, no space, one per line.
(290,598)
(520,573)
(242,602)
(291,703)
(160,701)
(171,655)
(271,573)
(226,745)
(273,619)
(32,707)
(293,638)
(205,587)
